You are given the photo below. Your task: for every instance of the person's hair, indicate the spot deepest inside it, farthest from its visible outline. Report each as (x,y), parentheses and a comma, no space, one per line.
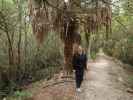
(84,50)
(80,49)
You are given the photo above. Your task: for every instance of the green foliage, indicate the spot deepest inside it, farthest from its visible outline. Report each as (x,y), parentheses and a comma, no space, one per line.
(36,63)
(20,95)
(39,64)
(93,55)
(120,44)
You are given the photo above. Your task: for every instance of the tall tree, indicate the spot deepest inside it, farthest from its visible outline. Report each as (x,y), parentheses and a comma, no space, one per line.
(99,13)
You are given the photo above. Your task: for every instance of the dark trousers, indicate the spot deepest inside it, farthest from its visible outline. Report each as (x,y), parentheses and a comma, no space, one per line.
(79,77)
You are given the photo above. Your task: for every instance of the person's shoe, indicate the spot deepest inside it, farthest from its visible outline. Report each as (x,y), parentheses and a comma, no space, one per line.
(78,90)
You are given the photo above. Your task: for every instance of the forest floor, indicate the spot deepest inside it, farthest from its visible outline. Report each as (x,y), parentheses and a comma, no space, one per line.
(105,79)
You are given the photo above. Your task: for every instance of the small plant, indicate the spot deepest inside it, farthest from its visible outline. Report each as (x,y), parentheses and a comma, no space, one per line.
(20,95)
(93,55)
(130,81)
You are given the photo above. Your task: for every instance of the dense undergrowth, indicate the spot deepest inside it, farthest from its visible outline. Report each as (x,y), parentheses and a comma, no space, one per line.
(39,64)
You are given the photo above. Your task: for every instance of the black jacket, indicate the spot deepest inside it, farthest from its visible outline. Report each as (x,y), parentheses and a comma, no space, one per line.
(79,61)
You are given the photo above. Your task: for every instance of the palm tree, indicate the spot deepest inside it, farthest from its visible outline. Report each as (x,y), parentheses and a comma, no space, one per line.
(62,17)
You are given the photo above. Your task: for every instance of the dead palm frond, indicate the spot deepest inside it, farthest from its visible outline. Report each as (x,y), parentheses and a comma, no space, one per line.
(64,21)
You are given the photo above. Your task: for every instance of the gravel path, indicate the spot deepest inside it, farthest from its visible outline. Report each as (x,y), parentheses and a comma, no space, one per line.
(103,82)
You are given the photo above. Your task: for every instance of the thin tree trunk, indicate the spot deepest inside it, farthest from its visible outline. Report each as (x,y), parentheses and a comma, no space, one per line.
(88,43)
(25,47)
(19,48)
(20,32)
(10,49)
(10,40)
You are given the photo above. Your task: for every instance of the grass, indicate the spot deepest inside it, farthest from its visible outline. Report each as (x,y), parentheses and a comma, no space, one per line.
(130,81)
(93,55)
(20,95)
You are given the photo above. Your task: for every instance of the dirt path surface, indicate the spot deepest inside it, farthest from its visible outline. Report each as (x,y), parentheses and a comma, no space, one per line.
(104,81)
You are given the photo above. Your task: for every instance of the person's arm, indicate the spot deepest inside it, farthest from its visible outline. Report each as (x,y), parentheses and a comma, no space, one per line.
(85,63)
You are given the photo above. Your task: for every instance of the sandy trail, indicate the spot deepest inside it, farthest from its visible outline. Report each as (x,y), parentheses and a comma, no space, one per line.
(103,81)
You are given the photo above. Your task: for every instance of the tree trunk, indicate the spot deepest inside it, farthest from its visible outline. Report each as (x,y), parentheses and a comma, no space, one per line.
(25,42)
(68,54)
(10,49)
(20,31)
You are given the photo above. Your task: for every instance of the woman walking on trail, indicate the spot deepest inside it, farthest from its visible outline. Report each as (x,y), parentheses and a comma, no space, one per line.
(79,65)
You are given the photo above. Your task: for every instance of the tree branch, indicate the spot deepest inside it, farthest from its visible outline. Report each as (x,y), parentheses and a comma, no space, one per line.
(59,82)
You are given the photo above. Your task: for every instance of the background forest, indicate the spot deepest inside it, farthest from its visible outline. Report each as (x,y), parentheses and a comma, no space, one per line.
(22,62)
